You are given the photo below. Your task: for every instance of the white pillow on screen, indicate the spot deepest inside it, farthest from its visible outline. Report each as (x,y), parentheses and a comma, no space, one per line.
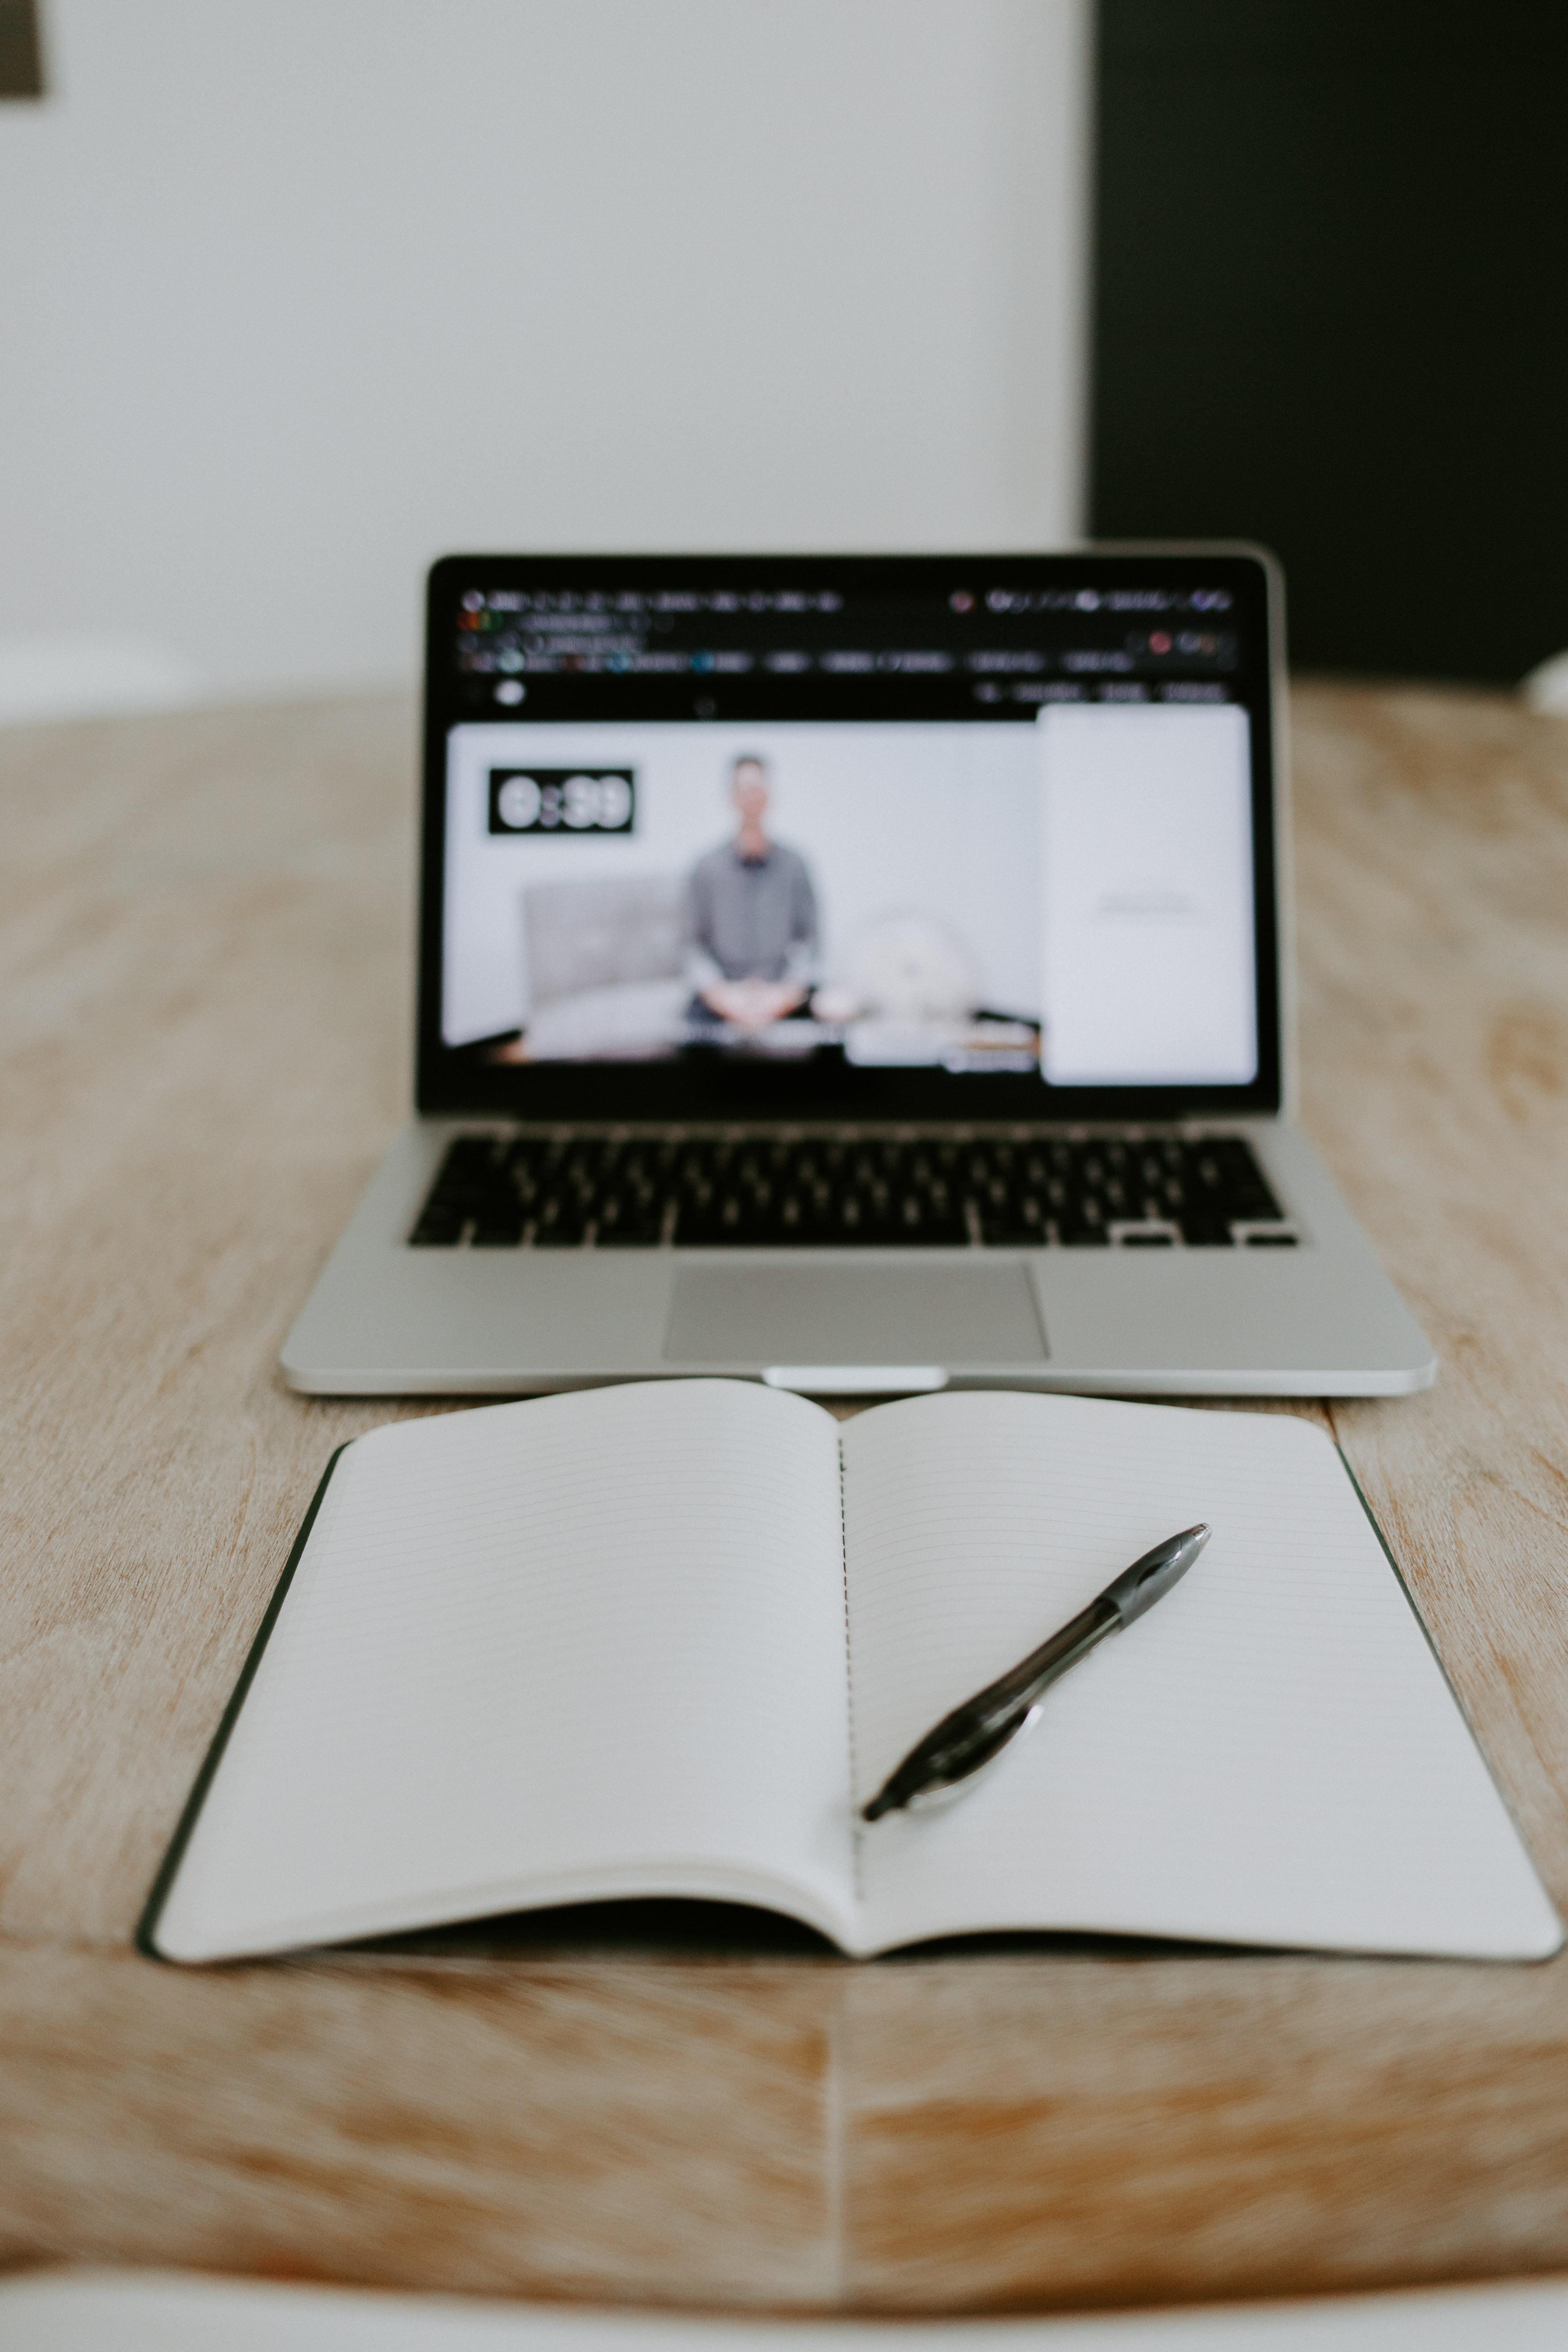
(909,967)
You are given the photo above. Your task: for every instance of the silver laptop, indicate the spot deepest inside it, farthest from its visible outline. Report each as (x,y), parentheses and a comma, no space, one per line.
(858,974)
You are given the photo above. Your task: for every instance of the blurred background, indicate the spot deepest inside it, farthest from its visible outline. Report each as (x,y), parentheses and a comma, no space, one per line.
(1332,313)
(299,297)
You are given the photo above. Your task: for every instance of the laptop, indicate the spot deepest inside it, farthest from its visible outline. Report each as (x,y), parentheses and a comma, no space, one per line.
(859,974)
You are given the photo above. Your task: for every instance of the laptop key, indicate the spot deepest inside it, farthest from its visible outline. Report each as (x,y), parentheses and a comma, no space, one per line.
(625,1221)
(1202,1230)
(1022,1224)
(917,1220)
(503,1231)
(560,1224)
(438,1229)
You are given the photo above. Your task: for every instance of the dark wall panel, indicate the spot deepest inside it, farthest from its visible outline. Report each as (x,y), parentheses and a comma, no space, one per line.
(21,52)
(1332,313)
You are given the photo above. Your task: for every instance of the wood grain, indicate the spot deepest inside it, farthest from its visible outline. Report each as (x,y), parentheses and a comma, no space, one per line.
(1161,2128)
(655,2133)
(204,953)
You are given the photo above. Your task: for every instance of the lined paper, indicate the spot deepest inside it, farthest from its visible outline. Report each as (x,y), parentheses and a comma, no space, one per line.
(592,1644)
(1271,1755)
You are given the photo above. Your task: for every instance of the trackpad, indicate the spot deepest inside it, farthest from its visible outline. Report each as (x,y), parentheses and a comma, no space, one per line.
(952,1315)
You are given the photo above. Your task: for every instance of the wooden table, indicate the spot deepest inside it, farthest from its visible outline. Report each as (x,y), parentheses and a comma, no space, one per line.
(206,983)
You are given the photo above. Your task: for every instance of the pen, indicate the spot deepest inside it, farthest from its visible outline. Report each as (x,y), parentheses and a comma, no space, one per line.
(977,1733)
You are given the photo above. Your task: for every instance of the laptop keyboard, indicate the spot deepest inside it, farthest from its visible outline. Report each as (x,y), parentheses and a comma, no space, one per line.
(844,1190)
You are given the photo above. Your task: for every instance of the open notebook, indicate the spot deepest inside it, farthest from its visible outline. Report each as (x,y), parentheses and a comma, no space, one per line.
(666,1639)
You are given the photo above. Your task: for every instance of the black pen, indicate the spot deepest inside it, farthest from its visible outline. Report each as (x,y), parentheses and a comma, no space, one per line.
(975,1734)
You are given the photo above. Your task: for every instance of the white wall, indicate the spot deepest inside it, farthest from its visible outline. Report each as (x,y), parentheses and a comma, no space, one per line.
(300,296)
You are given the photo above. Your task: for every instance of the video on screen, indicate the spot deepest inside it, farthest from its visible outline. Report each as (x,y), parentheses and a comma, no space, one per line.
(633,892)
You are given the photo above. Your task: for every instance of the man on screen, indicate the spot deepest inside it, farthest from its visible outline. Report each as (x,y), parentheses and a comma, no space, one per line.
(750,916)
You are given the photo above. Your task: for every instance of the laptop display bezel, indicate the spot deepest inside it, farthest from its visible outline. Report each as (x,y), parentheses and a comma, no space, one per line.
(460,1081)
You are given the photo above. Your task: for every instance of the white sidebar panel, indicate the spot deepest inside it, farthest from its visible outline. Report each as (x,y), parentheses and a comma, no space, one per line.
(1147,895)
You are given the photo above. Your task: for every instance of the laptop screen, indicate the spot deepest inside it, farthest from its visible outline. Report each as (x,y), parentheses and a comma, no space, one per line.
(898,837)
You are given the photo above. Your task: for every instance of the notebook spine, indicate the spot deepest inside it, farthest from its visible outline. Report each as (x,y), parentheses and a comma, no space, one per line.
(146,1926)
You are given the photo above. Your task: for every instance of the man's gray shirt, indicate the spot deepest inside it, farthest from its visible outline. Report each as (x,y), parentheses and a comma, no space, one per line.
(749,918)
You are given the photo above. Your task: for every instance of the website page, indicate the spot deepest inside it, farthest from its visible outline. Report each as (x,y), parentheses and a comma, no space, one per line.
(1076,895)
(1051,872)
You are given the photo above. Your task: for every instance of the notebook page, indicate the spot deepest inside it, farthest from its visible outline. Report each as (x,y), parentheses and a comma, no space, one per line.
(1271,1755)
(534,1653)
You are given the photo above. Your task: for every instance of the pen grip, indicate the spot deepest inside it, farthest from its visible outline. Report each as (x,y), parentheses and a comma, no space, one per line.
(968,1738)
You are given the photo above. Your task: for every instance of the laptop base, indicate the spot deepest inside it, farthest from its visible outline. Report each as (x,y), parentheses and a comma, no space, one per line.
(1319,1319)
